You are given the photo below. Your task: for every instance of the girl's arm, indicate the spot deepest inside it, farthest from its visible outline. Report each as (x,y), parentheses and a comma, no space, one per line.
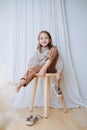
(53,54)
(44,68)
(58,76)
(59,67)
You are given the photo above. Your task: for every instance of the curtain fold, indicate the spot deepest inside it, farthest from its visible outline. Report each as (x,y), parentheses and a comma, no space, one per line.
(70,82)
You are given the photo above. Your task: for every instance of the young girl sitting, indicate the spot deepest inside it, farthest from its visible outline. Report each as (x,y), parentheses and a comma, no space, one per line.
(43,61)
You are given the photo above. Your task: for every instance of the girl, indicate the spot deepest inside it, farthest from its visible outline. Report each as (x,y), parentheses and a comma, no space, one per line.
(43,61)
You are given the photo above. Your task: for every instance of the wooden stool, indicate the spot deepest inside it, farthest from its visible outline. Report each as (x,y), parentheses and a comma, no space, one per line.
(46,94)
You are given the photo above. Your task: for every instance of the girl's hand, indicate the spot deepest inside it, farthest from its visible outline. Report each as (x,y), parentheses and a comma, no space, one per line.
(41,73)
(58,77)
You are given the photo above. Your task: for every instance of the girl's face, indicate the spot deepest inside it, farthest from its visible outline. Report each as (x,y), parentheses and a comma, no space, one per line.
(44,39)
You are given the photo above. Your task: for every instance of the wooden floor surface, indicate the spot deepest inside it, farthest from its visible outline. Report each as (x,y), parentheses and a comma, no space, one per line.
(75,119)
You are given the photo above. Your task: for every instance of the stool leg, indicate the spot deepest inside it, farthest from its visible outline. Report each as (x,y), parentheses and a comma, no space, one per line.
(33,94)
(64,104)
(46,97)
(48,87)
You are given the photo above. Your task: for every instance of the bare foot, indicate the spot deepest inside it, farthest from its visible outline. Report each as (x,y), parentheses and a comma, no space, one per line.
(18,88)
(20,84)
(65,110)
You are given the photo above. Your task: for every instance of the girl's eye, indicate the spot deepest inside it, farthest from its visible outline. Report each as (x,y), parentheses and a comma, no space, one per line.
(41,38)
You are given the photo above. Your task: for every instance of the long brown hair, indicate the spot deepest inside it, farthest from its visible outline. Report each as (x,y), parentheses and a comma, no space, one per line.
(50,43)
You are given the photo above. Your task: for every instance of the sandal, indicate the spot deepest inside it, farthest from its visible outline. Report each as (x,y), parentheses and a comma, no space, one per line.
(32,120)
(29,117)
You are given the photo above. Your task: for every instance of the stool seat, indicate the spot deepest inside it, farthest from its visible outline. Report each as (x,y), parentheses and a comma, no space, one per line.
(50,74)
(47,77)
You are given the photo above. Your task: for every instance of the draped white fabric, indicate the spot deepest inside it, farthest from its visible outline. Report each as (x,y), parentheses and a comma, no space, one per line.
(28,19)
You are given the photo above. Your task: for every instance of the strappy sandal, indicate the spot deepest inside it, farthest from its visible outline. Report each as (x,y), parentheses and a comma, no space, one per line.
(29,117)
(32,120)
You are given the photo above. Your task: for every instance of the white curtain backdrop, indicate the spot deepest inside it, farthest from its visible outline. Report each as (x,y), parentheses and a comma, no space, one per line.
(29,17)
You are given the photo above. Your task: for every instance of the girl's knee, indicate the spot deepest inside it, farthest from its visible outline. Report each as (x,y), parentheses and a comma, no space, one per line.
(53,54)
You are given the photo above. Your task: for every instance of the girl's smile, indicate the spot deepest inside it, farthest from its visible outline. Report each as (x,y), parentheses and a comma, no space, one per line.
(44,39)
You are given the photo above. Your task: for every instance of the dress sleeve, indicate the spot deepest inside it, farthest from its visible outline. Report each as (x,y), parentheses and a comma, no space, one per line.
(34,60)
(60,64)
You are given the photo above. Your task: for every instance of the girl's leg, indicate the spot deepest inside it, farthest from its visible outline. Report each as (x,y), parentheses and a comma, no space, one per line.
(29,75)
(53,57)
